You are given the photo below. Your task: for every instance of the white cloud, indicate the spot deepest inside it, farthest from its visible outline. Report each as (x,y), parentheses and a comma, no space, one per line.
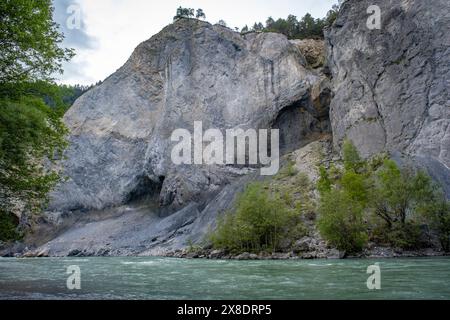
(118,26)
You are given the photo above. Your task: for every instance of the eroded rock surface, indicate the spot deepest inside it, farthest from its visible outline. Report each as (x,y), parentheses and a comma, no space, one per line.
(190,71)
(391,85)
(388,93)
(121,135)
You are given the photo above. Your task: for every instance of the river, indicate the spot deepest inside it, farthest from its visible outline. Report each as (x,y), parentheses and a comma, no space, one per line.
(165,278)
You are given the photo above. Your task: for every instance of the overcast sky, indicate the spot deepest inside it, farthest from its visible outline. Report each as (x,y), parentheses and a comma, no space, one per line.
(109,30)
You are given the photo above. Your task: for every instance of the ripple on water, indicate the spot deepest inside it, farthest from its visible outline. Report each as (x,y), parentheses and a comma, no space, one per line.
(159,278)
(139,263)
(75,260)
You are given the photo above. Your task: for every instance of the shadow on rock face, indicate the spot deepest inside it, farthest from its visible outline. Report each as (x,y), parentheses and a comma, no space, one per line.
(145,190)
(299,126)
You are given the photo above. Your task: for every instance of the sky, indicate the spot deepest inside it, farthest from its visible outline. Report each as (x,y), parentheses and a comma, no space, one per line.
(104,33)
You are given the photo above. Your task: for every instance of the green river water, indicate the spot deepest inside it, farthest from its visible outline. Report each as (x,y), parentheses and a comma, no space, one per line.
(164,278)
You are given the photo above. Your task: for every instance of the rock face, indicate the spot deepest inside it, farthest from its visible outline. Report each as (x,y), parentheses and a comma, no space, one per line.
(121,132)
(124,196)
(391,85)
(313,51)
(190,71)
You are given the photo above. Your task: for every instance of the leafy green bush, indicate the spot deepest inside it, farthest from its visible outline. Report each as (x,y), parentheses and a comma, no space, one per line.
(397,193)
(406,236)
(30,132)
(356,186)
(341,221)
(288,171)
(324,183)
(437,213)
(8,227)
(30,41)
(261,220)
(344,195)
(399,197)
(295,190)
(392,199)
(352,159)
(403,236)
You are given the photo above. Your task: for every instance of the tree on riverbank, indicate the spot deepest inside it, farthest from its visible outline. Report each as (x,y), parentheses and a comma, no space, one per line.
(259,223)
(359,201)
(379,201)
(31,131)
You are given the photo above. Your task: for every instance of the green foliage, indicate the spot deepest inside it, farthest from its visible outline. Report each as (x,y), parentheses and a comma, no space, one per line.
(344,196)
(392,199)
(376,162)
(193,248)
(399,193)
(352,159)
(399,197)
(341,221)
(189,13)
(222,23)
(29,41)
(294,188)
(258,27)
(261,220)
(406,236)
(32,135)
(288,171)
(438,213)
(8,227)
(184,13)
(268,214)
(302,181)
(305,28)
(200,14)
(356,186)
(332,15)
(342,203)
(324,182)
(59,97)
(29,133)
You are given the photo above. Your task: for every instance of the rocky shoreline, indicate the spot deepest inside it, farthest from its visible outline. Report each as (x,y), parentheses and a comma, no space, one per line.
(372,252)
(376,252)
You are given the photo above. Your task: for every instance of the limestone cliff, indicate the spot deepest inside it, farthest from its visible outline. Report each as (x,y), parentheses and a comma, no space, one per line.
(392,85)
(118,163)
(190,71)
(124,195)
